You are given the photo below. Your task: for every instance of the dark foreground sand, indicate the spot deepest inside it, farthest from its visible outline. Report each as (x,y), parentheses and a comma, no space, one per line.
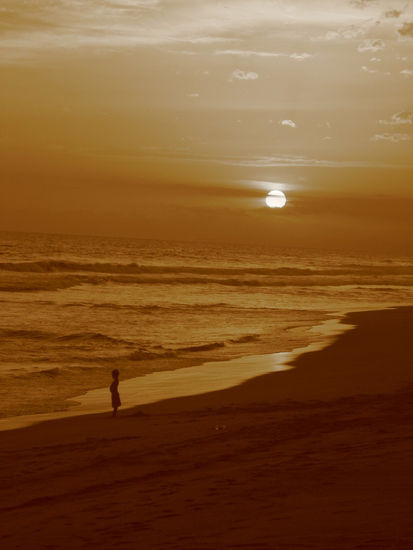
(317,457)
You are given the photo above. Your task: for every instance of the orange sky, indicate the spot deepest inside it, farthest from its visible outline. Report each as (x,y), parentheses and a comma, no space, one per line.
(173,119)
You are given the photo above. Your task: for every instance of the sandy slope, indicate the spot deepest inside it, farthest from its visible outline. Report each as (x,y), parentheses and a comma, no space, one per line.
(316,457)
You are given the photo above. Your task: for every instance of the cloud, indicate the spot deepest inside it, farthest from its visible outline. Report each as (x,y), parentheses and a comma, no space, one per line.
(352,31)
(394,138)
(375,60)
(248,53)
(361,3)
(402,117)
(406,29)
(289,123)
(367,70)
(389,14)
(371,45)
(36,26)
(330,35)
(58,25)
(251,53)
(301,56)
(346,32)
(407,72)
(242,75)
(296,161)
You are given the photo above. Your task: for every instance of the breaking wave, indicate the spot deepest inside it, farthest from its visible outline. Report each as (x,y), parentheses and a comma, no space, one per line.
(102,342)
(152,308)
(92,337)
(325,281)
(147,355)
(72,338)
(53,275)
(60,266)
(245,339)
(143,354)
(204,347)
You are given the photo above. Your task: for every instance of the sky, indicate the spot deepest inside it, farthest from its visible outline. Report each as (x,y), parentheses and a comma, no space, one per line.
(172,119)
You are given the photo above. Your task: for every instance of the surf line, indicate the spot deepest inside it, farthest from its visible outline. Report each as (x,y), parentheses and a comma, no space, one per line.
(204,378)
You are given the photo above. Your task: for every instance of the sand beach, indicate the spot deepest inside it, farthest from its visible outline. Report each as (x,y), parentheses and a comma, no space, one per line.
(318,456)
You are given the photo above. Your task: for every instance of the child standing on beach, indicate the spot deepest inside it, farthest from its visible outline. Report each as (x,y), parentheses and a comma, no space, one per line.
(114,391)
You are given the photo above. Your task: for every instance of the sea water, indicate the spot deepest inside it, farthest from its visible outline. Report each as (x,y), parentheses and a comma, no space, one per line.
(74,307)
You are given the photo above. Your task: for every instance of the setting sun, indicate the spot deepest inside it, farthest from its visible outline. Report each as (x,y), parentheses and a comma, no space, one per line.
(276,199)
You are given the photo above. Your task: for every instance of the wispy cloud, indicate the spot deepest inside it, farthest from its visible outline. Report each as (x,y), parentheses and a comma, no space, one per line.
(394,138)
(257,53)
(248,53)
(402,117)
(346,32)
(301,56)
(289,123)
(371,45)
(367,70)
(244,75)
(34,26)
(280,161)
(361,3)
(407,73)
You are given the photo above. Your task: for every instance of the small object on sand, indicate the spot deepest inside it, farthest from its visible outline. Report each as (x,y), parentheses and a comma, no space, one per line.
(220,427)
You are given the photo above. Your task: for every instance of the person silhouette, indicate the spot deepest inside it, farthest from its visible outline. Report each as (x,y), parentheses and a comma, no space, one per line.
(114,391)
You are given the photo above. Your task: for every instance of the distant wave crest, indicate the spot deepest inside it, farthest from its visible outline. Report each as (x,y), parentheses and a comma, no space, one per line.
(60,266)
(72,338)
(56,274)
(204,347)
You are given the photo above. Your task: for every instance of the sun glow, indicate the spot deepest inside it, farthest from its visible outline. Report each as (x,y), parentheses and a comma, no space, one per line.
(276,199)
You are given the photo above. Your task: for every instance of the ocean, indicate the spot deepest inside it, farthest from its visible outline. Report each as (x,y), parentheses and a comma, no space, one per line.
(76,307)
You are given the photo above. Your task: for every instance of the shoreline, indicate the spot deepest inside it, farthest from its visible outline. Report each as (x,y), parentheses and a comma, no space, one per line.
(314,457)
(353,364)
(53,387)
(189,381)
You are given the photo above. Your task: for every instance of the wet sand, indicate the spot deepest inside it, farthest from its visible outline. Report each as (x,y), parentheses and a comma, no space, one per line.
(318,456)
(188,381)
